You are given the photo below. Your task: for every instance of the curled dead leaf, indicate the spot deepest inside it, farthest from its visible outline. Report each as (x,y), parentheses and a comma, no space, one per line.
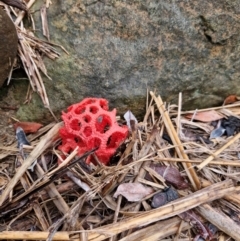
(28,127)
(205,116)
(230,99)
(133,192)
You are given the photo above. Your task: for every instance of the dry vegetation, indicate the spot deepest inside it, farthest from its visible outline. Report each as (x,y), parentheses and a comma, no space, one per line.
(46,204)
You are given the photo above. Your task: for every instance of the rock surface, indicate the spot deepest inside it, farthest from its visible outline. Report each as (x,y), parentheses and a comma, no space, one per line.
(118,49)
(8,45)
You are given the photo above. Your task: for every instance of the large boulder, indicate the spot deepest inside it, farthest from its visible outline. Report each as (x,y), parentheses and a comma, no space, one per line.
(119,49)
(8,45)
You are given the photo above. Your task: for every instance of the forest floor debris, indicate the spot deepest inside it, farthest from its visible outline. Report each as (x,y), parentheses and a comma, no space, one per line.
(169,179)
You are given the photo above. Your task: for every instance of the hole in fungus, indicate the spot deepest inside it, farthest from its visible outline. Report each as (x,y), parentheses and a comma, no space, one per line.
(93,109)
(103,123)
(115,139)
(103,104)
(79,110)
(79,141)
(87,118)
(75,125)
(87,131)
(94,142)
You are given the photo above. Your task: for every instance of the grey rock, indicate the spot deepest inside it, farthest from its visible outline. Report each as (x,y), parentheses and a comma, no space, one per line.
(118,49)
(8,45)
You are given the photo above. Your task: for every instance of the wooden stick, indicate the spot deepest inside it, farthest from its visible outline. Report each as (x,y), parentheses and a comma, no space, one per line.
(218,162)
(237,104)
(162,229)
(36,207)
(223,222)
(22,13)
(176,141)
(216,153)
(178,206)
(36,235)
(53,193)
(46,141)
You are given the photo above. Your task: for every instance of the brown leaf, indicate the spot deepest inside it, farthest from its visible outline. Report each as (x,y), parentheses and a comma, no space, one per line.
(133,192)
(171,175)
(16,3)
(205,116)
(230,99)
(28,127)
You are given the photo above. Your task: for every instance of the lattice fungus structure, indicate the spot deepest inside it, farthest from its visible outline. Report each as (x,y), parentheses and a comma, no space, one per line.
(90,124)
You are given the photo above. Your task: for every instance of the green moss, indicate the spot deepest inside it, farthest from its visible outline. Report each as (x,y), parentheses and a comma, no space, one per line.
(34,111)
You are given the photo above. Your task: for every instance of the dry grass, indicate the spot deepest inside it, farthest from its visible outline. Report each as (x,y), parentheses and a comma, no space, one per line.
(54,208)
(32,50)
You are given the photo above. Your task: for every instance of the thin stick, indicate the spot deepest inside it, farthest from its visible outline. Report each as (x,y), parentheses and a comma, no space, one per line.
(210,158)
(217,162)
(179,113)
(212,108)
(223,222)
(116,215)
(162,229)
(36,235)
(22,13)
(53,193)
(46,141)
(176,141)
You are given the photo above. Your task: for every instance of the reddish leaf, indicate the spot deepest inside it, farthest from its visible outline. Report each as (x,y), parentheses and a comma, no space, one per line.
(171,175)
(230,99)
(205,116)
(28,127)
(191,217)
(133,192)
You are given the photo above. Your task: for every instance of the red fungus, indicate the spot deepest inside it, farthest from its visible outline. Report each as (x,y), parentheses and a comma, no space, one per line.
(89,124)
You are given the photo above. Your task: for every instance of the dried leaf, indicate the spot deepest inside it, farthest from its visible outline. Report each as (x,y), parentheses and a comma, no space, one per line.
(76,180)
(28,127)
(194,219)
(162,198)
(171,175)
(133,192)
(131,120)
(205,116)
(230,99)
